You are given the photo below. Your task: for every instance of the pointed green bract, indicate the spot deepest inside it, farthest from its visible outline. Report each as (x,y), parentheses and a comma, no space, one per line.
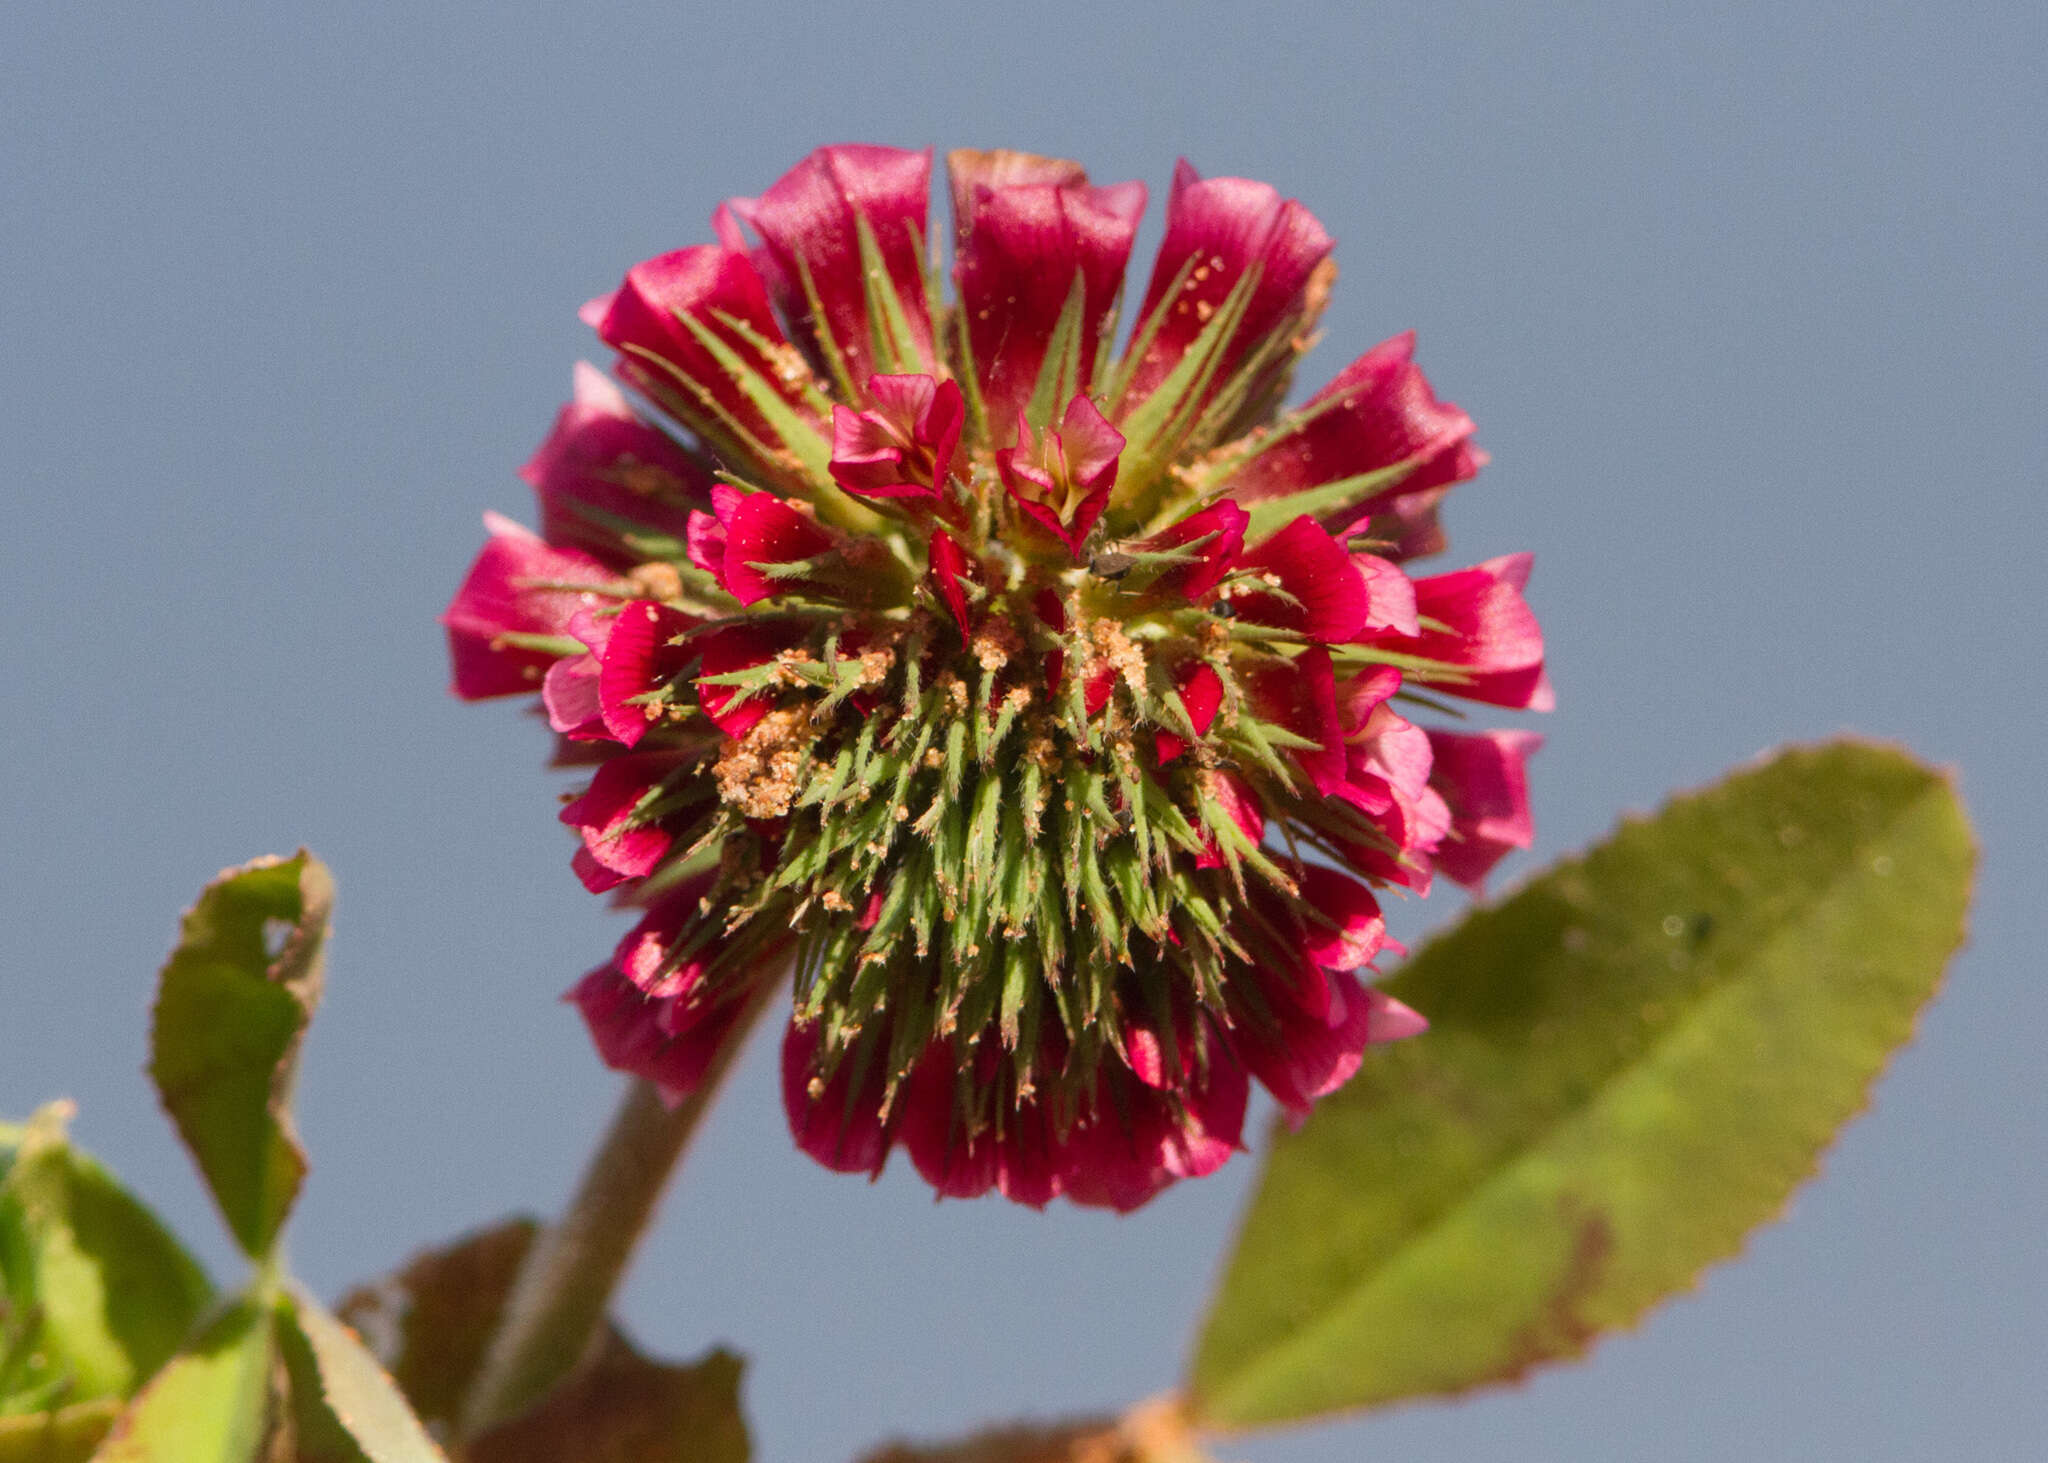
(209,1405)
(95,1294)
(1059,374)
(1631,1064)
(232,1004)
(1269,515)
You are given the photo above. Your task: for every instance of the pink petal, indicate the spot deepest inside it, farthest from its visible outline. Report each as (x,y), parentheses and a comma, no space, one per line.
(601,461)
(1313,568)
(1221,228)
(639,659)
(715,287)
(1024,229)
(1201,692)
(1484,781)
(1492,634)
(1391,594)
(948,573)
(842,1126)
(807,222)
(765,530)
(1221,525)
(1389,416)
(510,590)
(568,693)
(603,815)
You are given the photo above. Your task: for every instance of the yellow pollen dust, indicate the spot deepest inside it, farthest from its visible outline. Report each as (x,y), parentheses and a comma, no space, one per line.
(995,643)
(760,773)
(644,479)
(656,580)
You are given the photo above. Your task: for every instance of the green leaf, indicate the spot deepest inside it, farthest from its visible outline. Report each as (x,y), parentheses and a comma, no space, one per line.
(232,1004)
(209,1404)
(1631,1064)
(347,1410)
(67,1435)
(107,1291)
(620,1407)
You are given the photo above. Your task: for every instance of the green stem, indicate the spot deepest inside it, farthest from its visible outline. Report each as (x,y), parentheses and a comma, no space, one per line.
(557,1307)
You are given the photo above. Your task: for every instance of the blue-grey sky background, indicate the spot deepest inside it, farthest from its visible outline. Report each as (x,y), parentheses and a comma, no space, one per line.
(1747,299)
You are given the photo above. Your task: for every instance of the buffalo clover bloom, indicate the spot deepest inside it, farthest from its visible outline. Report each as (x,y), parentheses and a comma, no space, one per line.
(1044,704)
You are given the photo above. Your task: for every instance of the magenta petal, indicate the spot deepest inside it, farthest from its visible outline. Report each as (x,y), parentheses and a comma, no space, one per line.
(602,465)
(1201,692)
(1063,480)
(1484,781)
(1302,698)
(1241,805)
(603,814)
(808,224)
(1019,1161)
(1359,928)
(1364,693)
(737,646)
(1219,229)
(640,659)
(1299,1058)
(1490,633)
(718,290)
(955,1165)
(669,1042)
(905,445)
(568,693)
(1333,602)
(513,588)
(1220,530)
(765,530)
(948,573)
(1387,415)
(1025,229)
(842,1126)
(1391,594)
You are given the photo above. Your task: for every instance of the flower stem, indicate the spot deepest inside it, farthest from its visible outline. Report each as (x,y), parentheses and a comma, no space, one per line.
(558,1302)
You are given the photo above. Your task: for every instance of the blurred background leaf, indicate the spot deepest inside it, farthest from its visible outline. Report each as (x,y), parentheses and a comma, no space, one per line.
(1632,1063)
(95,1293)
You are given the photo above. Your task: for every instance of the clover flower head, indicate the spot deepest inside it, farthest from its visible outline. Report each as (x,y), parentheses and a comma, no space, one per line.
(1043,701)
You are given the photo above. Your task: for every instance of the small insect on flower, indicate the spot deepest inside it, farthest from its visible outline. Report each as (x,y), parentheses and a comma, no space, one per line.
(1046,706)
